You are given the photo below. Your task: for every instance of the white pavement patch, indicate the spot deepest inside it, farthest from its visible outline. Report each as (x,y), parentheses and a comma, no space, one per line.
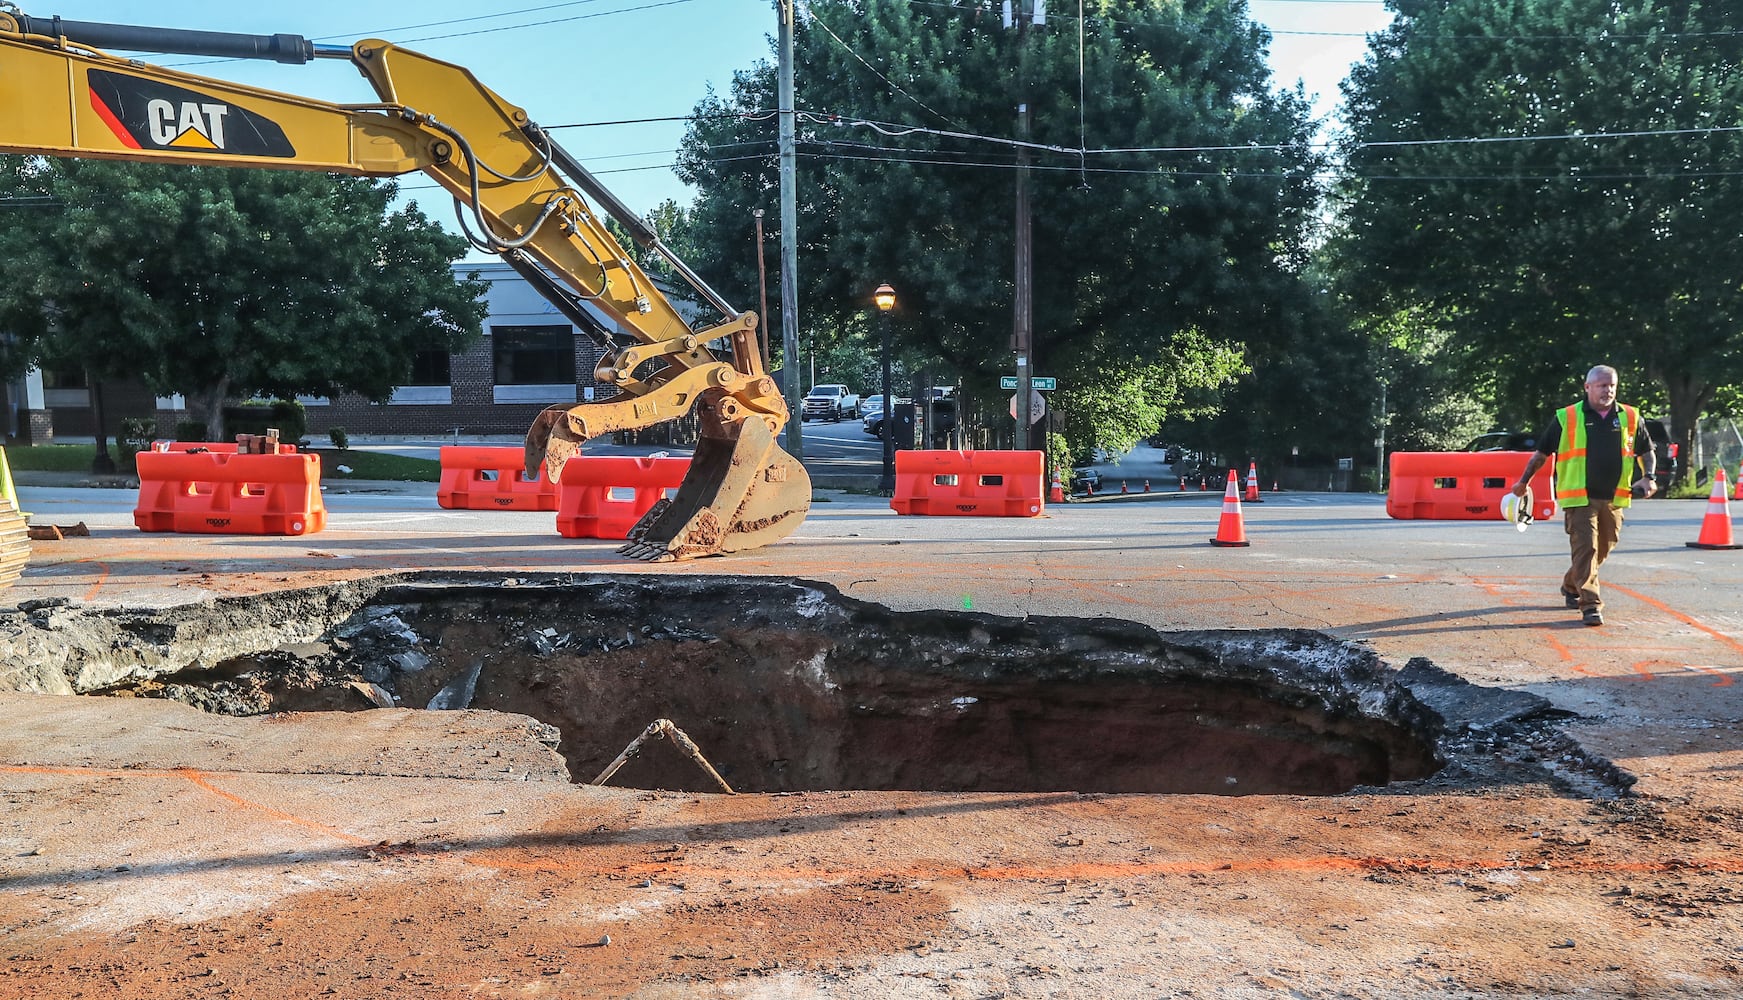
(371,521)
(908,539)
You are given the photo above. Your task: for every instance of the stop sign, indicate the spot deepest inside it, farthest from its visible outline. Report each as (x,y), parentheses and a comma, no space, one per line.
(1037,405)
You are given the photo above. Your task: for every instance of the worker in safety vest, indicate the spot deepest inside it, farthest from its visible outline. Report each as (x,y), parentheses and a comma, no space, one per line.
(1596,443)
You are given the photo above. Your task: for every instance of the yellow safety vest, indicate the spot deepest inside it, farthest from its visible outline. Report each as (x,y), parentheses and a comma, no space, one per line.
(1570,458)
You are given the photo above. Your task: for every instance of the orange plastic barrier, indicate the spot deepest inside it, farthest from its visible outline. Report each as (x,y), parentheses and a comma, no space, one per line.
(491,478)
(1462,485)
(969,483)
(603,497)
(218,494)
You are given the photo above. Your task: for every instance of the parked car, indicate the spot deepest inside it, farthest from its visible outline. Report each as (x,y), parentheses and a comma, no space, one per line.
(1503,441)
(1665,466)
(830,402)
(1083,480)
(873,408)
(1667,463)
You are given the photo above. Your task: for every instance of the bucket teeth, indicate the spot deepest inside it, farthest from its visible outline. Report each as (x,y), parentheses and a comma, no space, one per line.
(741,493)
(646,553)
(742,490)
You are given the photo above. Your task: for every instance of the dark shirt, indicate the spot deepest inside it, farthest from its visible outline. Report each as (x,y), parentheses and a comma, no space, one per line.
(1603,448)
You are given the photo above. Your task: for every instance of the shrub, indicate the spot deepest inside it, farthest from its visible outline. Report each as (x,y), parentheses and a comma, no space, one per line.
(135,436)
(341,440)
(258,416)
(190,430)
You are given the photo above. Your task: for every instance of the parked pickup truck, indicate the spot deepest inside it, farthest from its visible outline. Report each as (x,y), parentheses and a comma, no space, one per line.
(830,402)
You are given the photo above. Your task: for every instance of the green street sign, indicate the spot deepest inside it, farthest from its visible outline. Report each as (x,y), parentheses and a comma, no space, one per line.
(1036,382)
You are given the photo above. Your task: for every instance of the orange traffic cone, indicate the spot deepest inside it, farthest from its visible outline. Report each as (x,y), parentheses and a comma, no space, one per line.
(1253,483)
(1716,526)
(1123,487)
(1056,492)
(1146,486)
(1738,494)
(1203,487)
(1231,531)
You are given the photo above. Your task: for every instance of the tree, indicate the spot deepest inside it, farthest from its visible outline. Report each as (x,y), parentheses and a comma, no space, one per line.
(670,222)
(217,283)
(906,176)
(1556,180)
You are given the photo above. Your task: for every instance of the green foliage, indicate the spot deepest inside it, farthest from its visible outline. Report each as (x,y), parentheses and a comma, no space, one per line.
(380,465)
(340,439)
(258,416)
(1613,240)
(1312,386)
(1060,460)
(1688,489)
(1120,405)
(670,222)
(1432,405)
(856,361)
(191,430)
(219,283)
(52,458)
(1133,254)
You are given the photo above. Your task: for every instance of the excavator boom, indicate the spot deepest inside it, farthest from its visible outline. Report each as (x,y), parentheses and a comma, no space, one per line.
(518,193)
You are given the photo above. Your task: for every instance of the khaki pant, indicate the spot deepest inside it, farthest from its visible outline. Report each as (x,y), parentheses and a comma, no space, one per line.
(1592,531)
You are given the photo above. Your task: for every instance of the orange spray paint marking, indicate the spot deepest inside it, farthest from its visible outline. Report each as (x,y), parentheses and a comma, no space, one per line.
(102,578)
(199,780)
(1724,679)
(1567,656)
(583,865)
(83,772)
(1679,616)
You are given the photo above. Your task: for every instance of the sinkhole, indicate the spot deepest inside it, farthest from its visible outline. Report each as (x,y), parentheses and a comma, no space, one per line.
(786,685)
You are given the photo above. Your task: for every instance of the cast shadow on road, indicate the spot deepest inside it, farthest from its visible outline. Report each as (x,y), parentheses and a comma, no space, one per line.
(733,831)
(1450,622)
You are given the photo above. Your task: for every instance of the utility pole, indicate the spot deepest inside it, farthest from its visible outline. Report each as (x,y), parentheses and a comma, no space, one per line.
(789,238)
(1023,323)
(1023,319)
(1380,443)
(763,290)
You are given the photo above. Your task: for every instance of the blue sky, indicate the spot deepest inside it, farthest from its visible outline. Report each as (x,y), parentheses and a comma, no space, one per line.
(612,60)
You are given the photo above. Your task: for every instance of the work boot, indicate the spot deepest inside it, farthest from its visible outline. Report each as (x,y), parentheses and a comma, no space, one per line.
(1592,616)
(1572,598)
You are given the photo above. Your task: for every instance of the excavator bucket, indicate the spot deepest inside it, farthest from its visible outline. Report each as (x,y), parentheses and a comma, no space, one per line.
(743,491)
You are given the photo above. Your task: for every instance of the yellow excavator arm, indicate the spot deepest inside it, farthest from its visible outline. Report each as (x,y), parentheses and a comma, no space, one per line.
(519,194)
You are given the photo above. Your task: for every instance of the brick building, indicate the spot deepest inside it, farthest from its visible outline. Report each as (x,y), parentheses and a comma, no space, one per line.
(530,357)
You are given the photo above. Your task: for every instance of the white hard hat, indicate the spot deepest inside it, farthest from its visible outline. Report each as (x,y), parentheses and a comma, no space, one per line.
(1517,509)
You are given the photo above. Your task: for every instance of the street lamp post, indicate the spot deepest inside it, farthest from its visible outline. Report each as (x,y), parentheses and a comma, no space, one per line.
(885,297)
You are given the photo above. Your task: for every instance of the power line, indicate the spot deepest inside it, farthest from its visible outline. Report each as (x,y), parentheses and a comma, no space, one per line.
(381,32)
(895,130)
(1362,34)
(560,20)
(479,31)
(1323,174)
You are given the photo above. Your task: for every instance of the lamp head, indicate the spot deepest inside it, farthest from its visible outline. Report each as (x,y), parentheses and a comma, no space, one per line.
(885,297)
